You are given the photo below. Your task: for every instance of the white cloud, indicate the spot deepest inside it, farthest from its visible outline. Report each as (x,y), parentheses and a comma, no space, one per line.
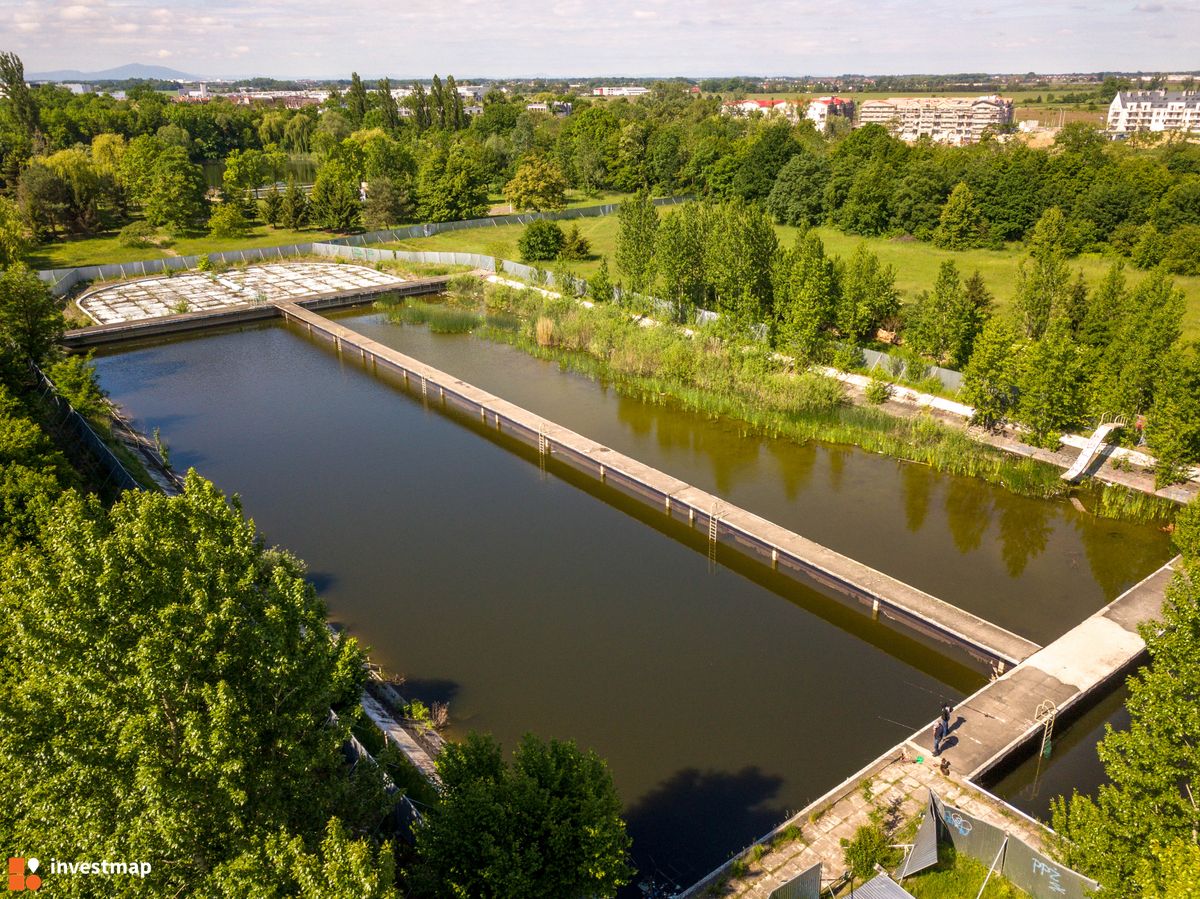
(570,37)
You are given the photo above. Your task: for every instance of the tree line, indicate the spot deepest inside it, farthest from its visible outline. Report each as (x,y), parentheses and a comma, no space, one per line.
(1140,202)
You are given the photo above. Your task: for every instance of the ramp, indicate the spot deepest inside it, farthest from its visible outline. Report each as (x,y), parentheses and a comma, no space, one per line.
(1091,448)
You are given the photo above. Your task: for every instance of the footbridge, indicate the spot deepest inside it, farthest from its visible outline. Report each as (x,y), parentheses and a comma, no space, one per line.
(771,544)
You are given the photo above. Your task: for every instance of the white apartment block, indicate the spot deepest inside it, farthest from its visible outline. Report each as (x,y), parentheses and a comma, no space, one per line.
(945,120)
(632,91)
(822,109)
(1132,111)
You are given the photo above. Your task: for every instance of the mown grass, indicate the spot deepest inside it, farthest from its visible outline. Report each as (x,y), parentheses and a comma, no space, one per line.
(105,248)
(916,262)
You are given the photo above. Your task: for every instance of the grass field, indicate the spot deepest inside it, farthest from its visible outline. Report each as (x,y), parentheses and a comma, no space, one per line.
(916,263)
(105,249)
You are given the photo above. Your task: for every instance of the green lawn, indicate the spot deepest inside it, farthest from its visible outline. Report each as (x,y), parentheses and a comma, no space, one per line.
(916,263)
(75,252)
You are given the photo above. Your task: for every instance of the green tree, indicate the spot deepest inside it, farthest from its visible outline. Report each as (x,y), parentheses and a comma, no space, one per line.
(245,170)
(228,221)
(451,185)
(44,199)
(765,157)
(796,197)
(740,253)
(356,101)
(990,377)
(538,185)
(1153,768)
(176,198)
(540,241)
(334,202)
(30,320)
(1105,305)
(868,296)
(806,298)
(547,826)
(20,100)
(281,865)
(967,320)
(1173,423)
(866,209)
(135,171)
(931,324)
(637,229)
(1183,252)
(389,111)
(1129,371)
(386,205)
(600,286)
(1049,380)
(679,259)
(1043,280)
(293,211)
(181,676)
(270,207)
(13,242)
(575,246)
(961,225)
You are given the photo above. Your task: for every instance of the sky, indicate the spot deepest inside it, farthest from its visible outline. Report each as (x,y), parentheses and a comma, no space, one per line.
(297,38)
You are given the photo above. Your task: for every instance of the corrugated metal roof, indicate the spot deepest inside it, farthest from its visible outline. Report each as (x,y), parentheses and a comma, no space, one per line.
(882,887)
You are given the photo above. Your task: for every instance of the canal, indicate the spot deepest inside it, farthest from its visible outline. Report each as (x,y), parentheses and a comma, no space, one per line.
(534,600)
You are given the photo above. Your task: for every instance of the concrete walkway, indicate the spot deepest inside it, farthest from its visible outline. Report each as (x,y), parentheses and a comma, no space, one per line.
(988,727)
(784,550)
(1000,717)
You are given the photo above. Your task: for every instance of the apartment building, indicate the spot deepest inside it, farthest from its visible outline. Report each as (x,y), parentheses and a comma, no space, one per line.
(822,109)
(1158,110)
(788,109)
(945,120)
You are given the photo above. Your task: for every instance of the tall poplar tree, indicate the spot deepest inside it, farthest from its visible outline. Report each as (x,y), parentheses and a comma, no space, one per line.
(637,229)
(805,297)
(356,101)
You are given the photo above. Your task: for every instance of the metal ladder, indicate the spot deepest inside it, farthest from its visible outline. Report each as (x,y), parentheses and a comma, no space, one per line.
(714,516)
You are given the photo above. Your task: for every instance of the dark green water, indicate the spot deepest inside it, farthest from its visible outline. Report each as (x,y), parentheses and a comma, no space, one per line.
(537,601)
(1073,762)
(1035,567)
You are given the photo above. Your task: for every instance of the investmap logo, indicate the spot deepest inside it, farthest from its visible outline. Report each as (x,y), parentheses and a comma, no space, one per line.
(23,872)
(18,879)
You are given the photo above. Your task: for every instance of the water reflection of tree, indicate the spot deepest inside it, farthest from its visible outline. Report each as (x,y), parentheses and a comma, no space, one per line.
(837,466)
(968,513)
(795,464)
(917,483)
(1120,553)
(729,448)
(1025,529)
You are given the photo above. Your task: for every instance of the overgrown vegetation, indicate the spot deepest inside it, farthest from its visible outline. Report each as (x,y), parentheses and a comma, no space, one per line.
(716,373)
(1138,835)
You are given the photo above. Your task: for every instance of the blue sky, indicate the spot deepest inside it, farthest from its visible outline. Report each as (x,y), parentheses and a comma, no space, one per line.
(288,38)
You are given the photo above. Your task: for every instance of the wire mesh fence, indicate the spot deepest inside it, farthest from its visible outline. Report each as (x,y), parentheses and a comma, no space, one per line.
(69,422)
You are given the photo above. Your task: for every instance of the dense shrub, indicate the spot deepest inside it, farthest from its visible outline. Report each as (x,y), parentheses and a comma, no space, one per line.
(541,241)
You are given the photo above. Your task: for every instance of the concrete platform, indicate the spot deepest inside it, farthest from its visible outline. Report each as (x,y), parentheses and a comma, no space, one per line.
(159,297)
(1000,719)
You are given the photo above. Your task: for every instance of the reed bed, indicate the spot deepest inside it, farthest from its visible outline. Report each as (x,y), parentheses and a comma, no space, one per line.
(710,374)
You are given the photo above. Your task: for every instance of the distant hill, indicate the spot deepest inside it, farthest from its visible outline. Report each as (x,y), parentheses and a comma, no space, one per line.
(120,73)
